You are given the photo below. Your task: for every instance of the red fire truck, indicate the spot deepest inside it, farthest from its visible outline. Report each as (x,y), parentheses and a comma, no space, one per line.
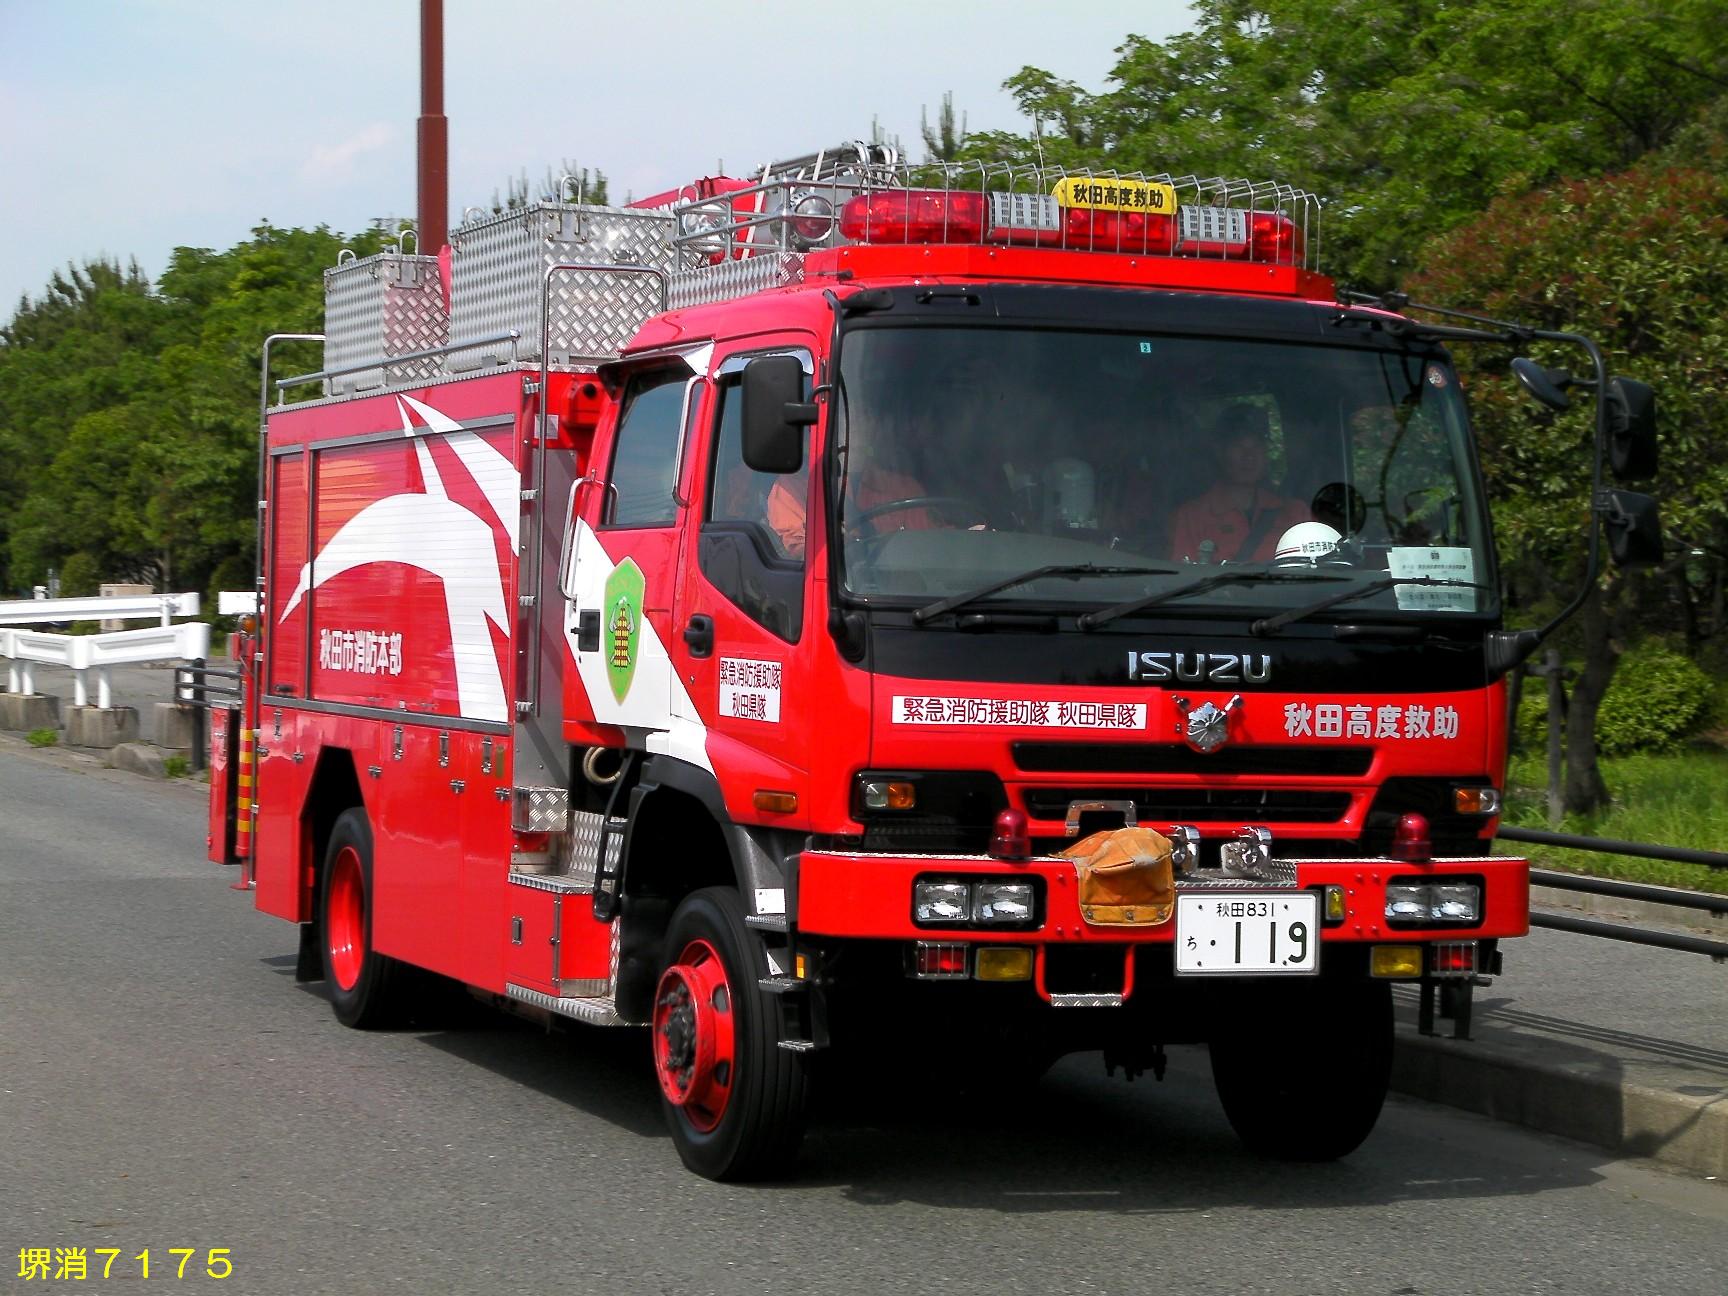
(990,612)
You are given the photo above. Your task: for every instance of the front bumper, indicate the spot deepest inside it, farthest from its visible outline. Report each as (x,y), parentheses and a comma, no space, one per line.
(869,896)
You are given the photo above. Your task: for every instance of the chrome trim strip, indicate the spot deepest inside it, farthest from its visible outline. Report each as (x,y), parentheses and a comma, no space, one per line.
(381,713)
(373,438)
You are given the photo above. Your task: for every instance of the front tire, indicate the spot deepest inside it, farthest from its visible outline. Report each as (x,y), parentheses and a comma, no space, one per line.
(365,986)
(1307,1080)
(734,1100)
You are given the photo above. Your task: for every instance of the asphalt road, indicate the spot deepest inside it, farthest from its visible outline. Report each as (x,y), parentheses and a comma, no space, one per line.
(164,1083)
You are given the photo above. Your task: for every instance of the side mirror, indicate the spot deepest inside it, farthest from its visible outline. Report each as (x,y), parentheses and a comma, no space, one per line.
(1631,430)
(775,414)
(1546,385)
(1634,528)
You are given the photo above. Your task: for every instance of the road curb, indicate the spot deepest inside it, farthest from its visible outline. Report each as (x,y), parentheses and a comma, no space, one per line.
(1681,1130)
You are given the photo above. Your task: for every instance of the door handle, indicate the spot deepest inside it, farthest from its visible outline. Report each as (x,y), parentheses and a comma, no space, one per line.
(699,635)
(588,630)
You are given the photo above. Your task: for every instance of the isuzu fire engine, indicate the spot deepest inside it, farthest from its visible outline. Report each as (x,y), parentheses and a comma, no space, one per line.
(989,612)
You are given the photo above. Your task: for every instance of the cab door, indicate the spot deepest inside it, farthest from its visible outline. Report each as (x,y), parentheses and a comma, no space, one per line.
(621,574)
(745,608)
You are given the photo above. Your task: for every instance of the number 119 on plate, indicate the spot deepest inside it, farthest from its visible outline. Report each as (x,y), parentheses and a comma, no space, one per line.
(1248,933)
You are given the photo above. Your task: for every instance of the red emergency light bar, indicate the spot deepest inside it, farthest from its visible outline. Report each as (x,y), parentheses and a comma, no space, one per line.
(901,216)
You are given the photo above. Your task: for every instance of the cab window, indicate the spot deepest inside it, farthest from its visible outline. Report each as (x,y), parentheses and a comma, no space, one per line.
(753,532)
(645,452)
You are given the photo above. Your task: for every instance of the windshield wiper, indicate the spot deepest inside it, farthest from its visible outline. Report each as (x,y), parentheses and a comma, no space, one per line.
(1229,576)
(954,601)
(1273,624)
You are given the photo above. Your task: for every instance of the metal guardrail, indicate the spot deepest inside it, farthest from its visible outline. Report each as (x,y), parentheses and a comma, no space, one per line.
(1705,900)
(26,649)
(104,607)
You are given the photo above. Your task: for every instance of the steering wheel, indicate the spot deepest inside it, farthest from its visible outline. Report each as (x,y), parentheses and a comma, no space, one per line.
(972,510)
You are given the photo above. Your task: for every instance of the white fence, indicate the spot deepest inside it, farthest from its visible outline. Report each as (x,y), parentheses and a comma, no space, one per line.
(115,607)
(82,654)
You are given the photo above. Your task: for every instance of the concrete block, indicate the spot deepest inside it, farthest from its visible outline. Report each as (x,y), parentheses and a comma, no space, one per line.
(29,711)
(139,758)
(89,726)
(176,722)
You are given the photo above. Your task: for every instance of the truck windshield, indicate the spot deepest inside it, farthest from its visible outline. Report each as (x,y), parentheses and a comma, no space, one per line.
(970,455)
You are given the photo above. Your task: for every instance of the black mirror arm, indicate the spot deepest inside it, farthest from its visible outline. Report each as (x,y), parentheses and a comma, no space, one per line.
(1598,497)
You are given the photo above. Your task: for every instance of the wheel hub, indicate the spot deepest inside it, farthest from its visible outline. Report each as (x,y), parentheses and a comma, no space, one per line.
(345,918)
(695,1035)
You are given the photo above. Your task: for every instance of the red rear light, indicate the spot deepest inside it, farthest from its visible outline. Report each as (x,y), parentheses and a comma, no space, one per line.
(1453,958)
(914,216)
(1011,838)
(1275,238)
(1101,230)
(1410,840)
(931,959)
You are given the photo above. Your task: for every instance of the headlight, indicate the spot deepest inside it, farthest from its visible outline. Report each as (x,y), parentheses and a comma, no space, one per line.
(941,902)
(1407,902)
(1002,902)
(1459,902)
(1433,902)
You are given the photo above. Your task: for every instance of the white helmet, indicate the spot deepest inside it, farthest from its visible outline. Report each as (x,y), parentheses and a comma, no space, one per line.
(1306,542)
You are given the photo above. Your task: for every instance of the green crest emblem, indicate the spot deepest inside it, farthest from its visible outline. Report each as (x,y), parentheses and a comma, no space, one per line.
(622,637)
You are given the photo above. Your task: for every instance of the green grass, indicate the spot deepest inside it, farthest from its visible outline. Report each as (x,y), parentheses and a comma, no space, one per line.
(42,737)
(1670,799)
(176,766)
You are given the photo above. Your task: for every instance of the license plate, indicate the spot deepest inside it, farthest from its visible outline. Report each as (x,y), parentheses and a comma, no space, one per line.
(1237,933)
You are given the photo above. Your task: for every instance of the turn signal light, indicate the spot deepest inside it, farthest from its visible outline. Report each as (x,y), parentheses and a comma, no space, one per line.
(775,802)
(1396,961)
(1335,908)
(886,794)
(1484,801)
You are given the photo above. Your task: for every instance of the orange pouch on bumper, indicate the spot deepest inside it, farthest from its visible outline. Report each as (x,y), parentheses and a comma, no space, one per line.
(1126,877)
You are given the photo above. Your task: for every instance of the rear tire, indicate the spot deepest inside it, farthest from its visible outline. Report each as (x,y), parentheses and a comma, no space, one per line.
(734,1100)
(365,986)
(1306,1081)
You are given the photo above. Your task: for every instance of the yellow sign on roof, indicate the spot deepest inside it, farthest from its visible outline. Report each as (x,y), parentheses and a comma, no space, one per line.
(1116,195)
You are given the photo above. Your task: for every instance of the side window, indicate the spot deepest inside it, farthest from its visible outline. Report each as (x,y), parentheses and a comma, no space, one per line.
(645,452)
(738,493)
(753,536)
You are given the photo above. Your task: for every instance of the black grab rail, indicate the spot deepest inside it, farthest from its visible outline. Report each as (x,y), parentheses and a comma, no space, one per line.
(1705,900)
(200,685)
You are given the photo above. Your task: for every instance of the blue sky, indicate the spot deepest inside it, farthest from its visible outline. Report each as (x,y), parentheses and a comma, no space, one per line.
(130,127)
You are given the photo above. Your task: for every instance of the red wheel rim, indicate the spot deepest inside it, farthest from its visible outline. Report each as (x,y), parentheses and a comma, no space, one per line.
(695,1035)
(345,918)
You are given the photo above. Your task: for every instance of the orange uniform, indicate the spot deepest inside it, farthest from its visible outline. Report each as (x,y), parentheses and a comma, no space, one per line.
(869,488)
(1216,517)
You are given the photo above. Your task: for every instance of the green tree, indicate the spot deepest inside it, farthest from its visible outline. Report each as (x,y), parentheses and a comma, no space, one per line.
(128,415)
(1408,116)
(1637,259)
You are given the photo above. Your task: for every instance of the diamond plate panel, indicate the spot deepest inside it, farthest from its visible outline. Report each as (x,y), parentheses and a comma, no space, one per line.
(539,809)
(728,279)
(381,306)
(499,267)
(585,845)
